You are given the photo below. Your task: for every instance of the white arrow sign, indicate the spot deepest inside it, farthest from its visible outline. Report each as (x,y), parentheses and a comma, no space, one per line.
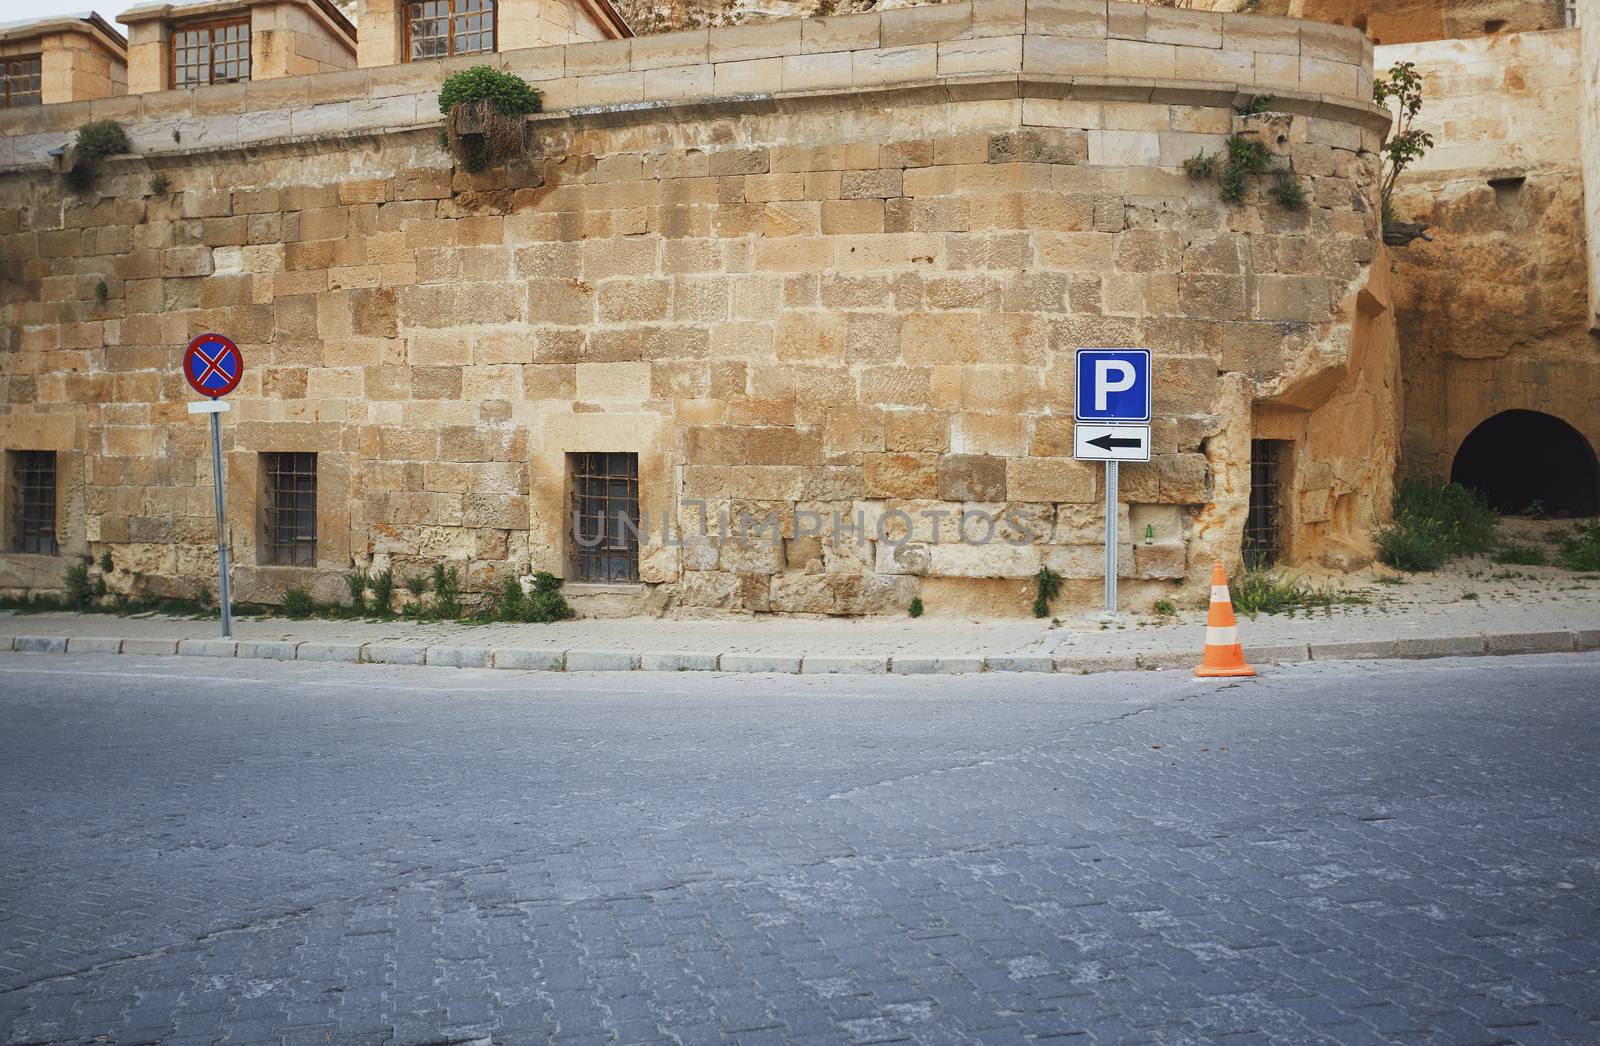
(1111,442)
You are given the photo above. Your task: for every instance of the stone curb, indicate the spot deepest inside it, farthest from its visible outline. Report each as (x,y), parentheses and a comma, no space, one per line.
(524,659)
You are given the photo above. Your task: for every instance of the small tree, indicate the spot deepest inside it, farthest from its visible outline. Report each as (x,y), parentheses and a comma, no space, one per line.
(486,115)
(1408,144)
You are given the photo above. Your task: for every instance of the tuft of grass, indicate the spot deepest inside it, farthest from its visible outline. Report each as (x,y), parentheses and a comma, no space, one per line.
(1287,191)
(1433,522)
(416,584)
(1263,591)
(106,565)
(101,290)
(915,609)
(446,591)
(77,589)
(1246,156)
(1513,554)
(1200,166)
(1047,585)
(356,582)
(296,604)
(543,605)
(1164,608)
(1580,547)
(382,587)
(1257,105)
(160,185)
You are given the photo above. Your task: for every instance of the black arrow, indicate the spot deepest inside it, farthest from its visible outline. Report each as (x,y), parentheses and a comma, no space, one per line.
(1108,441)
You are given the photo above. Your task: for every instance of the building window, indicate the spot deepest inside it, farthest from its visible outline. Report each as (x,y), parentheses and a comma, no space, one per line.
(1263,527)
(605,516)
(441,28)
(289,522)
(20,81)
(217,53)
(33,502)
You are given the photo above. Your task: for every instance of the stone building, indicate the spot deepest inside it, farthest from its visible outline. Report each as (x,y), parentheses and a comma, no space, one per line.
(64,59)
(827,272)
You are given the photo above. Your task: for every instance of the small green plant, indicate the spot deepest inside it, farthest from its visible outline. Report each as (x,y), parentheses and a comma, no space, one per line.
(296,604)
(1047,585)
(160,185)
(416,584)
(486,113)
(1470,596)
(382,587)
(1406,145)
(106,564)
(1263,591)
(915,609)
(1201,165)
(356,582)
(1513,554)
(1580,547)
(446,591)
(1287,191)
(1535,509)
(1434,521)
(203,596)
(1164,608)
(101,290)
(1246,157)
(76,587)
(177,135)
(543,604)
(96,139)
(1258,104)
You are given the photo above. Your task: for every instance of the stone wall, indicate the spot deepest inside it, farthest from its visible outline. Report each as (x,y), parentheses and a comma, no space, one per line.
(837,265)
(1493,313)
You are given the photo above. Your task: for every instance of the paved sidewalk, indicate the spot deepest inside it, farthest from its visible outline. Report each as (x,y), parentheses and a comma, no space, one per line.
(1464,612)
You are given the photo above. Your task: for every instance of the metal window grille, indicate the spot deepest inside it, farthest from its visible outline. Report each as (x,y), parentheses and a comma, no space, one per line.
(1263,527)
(440,28)
(20,81)
(211,54)
(33,479)
(291,510)
(605,514)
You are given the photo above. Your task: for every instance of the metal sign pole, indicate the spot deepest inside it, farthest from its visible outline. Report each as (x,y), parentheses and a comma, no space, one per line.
(1111,538)
(222,527)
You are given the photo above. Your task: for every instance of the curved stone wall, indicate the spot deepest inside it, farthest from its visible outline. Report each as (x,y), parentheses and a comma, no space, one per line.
(838,267)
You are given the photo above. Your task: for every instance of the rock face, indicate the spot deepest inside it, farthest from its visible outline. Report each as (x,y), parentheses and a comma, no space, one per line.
(824,279)
(1493,314)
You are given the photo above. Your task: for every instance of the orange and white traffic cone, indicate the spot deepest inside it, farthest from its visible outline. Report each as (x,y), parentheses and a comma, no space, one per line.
(1223,655)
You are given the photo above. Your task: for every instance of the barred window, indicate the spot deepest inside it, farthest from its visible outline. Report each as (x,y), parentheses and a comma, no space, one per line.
(20,81)
(605,516)
(441,28)
(217,53)
(289,523)
(1264,525)
(33,501)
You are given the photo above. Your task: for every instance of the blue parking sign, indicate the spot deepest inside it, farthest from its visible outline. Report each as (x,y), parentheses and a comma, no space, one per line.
(1113,385)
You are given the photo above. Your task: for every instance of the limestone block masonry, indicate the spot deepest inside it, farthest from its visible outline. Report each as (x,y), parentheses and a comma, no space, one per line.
(833,265)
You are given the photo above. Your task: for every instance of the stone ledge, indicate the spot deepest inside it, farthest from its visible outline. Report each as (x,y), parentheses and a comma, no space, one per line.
(595,78)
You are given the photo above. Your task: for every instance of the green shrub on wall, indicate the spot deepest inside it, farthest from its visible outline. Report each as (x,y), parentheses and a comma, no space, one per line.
(96,139)
(486,114)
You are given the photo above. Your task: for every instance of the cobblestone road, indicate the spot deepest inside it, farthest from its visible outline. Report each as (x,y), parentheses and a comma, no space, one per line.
(199,851)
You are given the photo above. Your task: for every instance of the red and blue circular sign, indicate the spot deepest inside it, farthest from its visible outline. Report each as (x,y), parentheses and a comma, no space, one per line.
(213,365)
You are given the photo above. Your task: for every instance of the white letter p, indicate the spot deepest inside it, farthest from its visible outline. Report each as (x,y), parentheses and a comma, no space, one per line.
(1103,383)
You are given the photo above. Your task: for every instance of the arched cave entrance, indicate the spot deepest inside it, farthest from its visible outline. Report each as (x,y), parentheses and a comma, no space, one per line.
(1519,456)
